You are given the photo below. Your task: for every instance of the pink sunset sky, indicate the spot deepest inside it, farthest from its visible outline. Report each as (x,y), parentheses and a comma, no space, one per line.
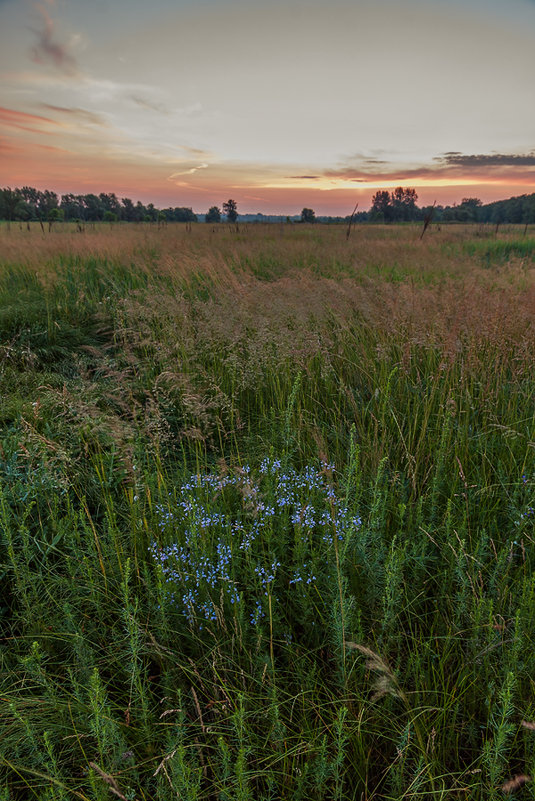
(278,105)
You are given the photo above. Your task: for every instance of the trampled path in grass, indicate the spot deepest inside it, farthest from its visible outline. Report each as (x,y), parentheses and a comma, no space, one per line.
(267,524)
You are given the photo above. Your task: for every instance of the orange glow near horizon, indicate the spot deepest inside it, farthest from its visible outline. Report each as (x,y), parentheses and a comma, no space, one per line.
(138,183)
(188,103)
(81,155)
(255,188)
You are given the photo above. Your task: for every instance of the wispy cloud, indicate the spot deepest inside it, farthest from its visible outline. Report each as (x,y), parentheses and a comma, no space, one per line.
(8,147)
(51,148)
(195,151)
(78,113)
(189,171)
(456,159)
(11,114)
(157,106)
(35,123)
(451,165)
(149,105)
(48,49)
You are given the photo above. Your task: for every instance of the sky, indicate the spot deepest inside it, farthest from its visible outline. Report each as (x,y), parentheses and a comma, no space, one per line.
(278,105)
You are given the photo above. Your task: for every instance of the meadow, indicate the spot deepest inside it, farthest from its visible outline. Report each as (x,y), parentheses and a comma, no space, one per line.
(267,513)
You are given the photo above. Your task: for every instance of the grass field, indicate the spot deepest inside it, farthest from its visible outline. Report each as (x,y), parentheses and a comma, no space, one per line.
(267,513)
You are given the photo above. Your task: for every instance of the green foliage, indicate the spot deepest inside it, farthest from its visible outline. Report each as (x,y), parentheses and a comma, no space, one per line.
(492,251)
(213,215)
(230,208)
(308,216)
(396,206)
(30,204)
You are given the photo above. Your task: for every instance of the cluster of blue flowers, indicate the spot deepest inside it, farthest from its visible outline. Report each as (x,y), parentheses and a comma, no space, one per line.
(217,556)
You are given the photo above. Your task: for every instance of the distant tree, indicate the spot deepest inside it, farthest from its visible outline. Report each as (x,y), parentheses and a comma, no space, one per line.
(183,214)
(230,208)
(24,211)
(54,215)
(11,199)
(515,210)
(72,206)
(435,211)
(30,195)
(468,209)
(529,209)
(179,214)
(213,215)
(110,216)
(93,210)
(128,210)
(48,201)
(498,213)
(28,203)
(381,209)
(140,213)
(403,203)
(528,215)
(475,202)
(110,202)
(38,204)
(31,198)
(152,212)
(308,216)
(398,206)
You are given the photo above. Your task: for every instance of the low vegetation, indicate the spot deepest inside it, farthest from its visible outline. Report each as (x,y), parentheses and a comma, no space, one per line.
(267,513)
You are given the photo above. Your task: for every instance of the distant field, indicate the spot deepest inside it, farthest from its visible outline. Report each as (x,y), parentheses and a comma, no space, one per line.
(267,512)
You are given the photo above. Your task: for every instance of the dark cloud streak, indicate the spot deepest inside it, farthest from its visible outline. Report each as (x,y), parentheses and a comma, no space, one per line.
(452,164)
(48,50)
(78,113)
(488,160)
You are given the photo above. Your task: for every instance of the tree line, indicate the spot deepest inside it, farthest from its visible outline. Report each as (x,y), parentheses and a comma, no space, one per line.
(28,204)
(400,206)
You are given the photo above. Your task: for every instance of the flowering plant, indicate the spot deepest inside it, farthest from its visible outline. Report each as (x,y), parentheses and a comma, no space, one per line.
(239,543)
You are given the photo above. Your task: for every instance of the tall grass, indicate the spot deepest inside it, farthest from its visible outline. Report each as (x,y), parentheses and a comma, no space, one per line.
(267,524)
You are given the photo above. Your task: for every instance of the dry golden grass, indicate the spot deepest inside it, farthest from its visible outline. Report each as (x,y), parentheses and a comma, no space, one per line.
(284,287)
(174,250)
